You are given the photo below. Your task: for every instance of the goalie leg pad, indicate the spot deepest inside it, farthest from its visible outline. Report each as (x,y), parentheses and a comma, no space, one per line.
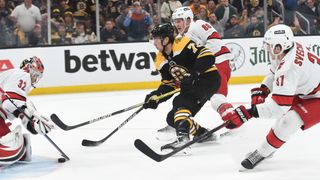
(12,147)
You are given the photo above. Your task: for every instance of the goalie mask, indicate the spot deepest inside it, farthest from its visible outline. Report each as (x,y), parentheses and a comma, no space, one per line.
(34,67)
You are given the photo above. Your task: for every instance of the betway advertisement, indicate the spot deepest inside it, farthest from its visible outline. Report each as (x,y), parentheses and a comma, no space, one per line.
(130,62)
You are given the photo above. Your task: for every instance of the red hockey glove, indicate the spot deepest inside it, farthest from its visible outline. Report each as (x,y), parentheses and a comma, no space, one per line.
(258,95)
(237,117)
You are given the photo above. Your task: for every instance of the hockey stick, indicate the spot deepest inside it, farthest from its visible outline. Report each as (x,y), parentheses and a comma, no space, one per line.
(145,149)
(46,136)
(65,127)
(86,142)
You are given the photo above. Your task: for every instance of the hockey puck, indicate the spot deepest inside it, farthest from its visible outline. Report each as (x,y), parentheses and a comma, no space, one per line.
(61,160)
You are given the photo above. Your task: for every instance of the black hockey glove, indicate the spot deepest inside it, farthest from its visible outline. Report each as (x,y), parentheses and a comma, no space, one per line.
(187,83)
(149,102)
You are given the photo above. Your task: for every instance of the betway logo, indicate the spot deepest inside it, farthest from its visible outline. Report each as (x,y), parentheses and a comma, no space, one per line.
(91,63)
(5,65)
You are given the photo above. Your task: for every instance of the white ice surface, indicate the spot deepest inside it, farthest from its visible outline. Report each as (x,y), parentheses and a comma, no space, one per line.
(118,159)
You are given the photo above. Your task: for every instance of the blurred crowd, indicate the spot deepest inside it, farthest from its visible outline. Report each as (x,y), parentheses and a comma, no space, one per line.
(63,22)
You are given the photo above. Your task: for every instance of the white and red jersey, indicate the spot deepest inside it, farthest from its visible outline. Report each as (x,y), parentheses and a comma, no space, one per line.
(203,34)
(17,84)
(296,75)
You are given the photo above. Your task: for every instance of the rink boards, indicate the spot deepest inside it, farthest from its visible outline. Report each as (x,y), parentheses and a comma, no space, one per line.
(125,66)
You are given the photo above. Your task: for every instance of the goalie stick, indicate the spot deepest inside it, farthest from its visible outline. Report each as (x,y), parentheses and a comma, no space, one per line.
(86,142)
(145,149)
(46,136)
(65,127)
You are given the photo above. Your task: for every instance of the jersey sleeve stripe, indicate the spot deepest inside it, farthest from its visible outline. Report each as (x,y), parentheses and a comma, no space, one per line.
(283,100)
(13,95)
(214,35)
(223,50)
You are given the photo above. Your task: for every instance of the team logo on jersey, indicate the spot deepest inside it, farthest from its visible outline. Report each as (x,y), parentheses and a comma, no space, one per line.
(5,65)
(178,72)
(238,54)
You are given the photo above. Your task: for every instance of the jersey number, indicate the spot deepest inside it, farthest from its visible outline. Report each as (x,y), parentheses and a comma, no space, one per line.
(313,58)
(22,84)
(280,80)
(206,26)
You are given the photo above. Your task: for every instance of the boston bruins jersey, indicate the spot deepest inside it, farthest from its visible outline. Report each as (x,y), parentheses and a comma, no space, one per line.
(186,58)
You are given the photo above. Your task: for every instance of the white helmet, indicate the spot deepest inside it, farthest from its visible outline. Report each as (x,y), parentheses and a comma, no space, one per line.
(279,35)
(183,13)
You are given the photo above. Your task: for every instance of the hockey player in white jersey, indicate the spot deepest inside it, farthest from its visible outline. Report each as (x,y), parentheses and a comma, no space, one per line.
(16,84)
(203,34)
(295,93)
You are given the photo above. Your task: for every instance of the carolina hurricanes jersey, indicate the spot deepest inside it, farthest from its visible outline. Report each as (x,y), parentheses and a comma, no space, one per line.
(295,75)
(17,84)
(203,34)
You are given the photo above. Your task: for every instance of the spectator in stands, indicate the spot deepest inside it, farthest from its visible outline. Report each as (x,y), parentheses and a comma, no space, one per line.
(56,20)
(211,6)
(81,36)
(111,8)
(196,7)
(244,18)
(203,15)
(64,6)
(233,29)
(224,11)
(61,37)
(83,9)
(255,28)
(36,38)
(124,9)
(111,34)
(7,37)
(150,7)
(68,21)
(26,16)
(310,10)
(167,8)
(216,24)
(137,23)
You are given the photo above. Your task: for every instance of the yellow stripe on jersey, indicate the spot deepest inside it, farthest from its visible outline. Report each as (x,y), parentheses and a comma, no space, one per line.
(204,53)
(160,59)
(170,83)
(211,69)
(179,44)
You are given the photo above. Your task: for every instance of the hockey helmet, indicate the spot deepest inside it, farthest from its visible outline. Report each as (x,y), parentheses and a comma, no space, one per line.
(162,31)
(182,13)
(34,67)
(279,35)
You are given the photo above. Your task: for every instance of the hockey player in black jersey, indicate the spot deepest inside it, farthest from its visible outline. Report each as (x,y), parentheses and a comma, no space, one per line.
(181,61)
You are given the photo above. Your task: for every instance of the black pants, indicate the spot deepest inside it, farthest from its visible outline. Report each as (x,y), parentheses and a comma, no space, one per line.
(205,86)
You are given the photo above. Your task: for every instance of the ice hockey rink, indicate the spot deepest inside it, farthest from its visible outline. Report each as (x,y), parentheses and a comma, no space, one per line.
(118,159)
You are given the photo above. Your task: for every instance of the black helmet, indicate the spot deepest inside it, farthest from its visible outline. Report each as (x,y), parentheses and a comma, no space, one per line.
(163,30)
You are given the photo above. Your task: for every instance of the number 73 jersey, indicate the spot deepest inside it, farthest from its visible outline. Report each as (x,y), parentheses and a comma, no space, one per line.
(186,57)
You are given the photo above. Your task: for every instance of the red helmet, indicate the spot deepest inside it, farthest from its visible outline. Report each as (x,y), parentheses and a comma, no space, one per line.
(34,67)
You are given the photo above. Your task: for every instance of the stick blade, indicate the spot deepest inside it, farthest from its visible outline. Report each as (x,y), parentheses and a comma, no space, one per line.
(58,122)
(90,143)
(145,149)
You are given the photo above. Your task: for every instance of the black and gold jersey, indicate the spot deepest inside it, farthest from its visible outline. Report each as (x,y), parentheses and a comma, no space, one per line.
(186,57)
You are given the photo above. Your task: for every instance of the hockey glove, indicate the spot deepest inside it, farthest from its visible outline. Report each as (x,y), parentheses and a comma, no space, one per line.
(36,123)
(258,95)
(237,117)
(150,102)
(187,83)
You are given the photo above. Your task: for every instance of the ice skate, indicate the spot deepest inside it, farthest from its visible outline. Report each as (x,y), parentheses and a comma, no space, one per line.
(252,160)
(182,139)
(208,138)
(166,133)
